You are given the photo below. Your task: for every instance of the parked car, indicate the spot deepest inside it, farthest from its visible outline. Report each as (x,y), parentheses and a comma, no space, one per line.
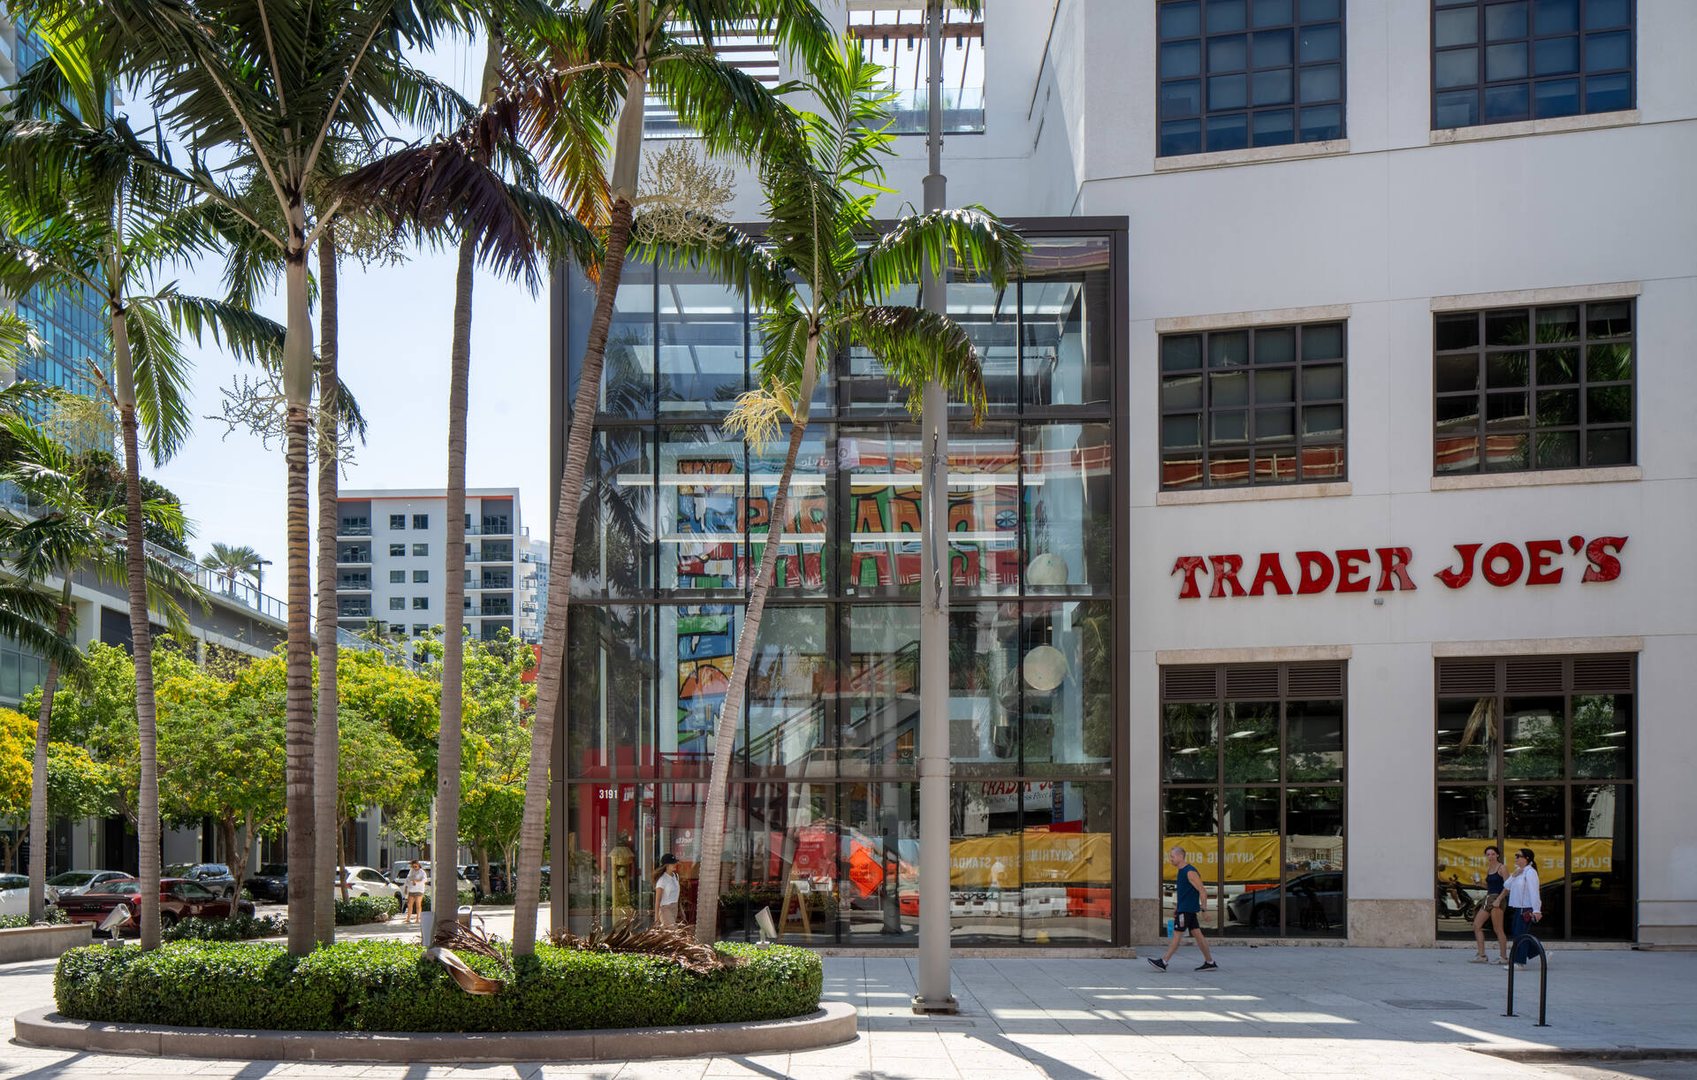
(270,884)
(77,882)
(1315,903)
(212,875)
(364,881)
(399,870)
(178,899)
(14,894)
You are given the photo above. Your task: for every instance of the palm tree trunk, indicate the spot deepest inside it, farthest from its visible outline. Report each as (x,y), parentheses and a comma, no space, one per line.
(712,833)
(446,898)
(325,747)
(38,779)
(141,636)
(297,722)
(551,669)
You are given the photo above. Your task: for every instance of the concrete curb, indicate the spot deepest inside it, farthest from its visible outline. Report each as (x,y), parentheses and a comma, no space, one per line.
(21,943)
(832,1024)
(1556,1055)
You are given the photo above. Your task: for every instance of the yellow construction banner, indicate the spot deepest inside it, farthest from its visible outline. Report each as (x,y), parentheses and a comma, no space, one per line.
(1465,859)
(1250,857)
(1034,857)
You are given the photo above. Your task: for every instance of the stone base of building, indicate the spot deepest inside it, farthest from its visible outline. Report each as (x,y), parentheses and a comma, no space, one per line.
(1146,922)
(1667,937)
(1392,924)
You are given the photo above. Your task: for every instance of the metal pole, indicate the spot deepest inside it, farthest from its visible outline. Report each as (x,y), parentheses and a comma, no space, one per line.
(935,986)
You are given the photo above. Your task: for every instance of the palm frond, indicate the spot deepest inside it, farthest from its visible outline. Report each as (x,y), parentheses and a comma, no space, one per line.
(970,240)
(239,330)
(27,616)
(161,379)
(917,346)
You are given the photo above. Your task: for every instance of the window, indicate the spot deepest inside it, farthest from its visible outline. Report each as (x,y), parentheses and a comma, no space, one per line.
(358,607)
(397,550)
(1262,405)
(1496,62)
(892,35)
(421,550)
(420,629)
(421,521)
(397,577)
(354,525)
(421,603)
(1538,752)
(397,603)
(397,521)
(420,577)
(1522,389)
(1252,787)
(1239,73)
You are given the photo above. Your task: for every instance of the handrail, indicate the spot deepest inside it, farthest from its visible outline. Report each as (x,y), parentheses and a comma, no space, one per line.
(1543,975)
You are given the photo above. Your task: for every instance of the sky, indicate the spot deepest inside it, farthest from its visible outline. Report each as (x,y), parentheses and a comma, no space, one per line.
(396,322)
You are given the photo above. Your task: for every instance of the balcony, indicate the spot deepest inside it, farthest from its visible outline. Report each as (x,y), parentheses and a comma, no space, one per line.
(353,582)
(353,556)
(353,528)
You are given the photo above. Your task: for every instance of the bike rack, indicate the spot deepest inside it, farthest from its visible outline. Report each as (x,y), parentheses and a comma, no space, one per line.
(1543,975)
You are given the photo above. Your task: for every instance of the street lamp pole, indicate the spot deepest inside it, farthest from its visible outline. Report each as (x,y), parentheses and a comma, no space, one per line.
(935,986)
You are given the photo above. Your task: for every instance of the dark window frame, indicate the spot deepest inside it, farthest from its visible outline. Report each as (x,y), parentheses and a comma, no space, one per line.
(1531,80)
(1580,385)
(421,521)
(1285,695)
(1458,679)
(398,522)
(1207,448)
(1248,110)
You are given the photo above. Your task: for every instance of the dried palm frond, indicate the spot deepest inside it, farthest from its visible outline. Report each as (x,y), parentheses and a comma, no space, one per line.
(468,980)
(672,942)
(455,935)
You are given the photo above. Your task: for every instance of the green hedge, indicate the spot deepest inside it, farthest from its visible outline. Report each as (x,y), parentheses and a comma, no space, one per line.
(55,917)
(365,909)
(243,927)
(387,985)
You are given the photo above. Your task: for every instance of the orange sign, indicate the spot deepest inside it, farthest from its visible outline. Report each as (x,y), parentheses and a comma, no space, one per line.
(864,871)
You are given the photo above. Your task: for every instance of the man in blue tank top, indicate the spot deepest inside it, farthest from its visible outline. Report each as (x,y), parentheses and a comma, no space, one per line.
(1186,913)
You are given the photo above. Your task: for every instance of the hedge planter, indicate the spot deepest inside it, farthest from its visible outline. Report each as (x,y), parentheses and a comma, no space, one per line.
(386,985)
(41,942)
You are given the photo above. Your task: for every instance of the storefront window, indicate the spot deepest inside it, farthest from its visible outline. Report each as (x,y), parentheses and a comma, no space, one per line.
(701,345)
(702,477)
(1253,790)
(615,521)
(1549,727)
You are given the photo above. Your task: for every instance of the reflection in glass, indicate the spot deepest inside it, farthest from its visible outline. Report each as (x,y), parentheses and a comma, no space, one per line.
(1533,744)
(1066,683)
(880,471)
(1314,867)
(1068,524)
(1190,742)
(1251,741)
(784,839)
(627,369)
(701,344)
(1602,735)
(1601,870)
(879,706)
(1189,819)
(1065,303)
(615,524)
(1250,825)
(697,642)
(788,719)
(983,511)
(990,318)
(1467,739)
(802,563)
(1536,817)
(984,688)
(701,492)
(1468,820)
(1315,735)
(610,721)
(879,851)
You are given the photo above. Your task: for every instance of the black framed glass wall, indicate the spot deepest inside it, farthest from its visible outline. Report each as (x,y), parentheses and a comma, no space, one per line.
(1252,787)
(1539,752)
(1498,61)
(675,516)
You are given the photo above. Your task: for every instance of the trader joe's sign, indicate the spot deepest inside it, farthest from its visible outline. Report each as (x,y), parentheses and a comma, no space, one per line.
(1392,569)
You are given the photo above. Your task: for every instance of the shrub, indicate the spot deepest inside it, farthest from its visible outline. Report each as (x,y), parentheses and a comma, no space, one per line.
(243,927)
(54,917)
(505,899)
(387,985)
(365,909)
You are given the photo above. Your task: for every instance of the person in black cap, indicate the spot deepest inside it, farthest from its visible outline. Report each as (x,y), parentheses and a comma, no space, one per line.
(666,891)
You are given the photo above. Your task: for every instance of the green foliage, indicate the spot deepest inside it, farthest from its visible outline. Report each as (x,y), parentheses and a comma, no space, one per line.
(241,927)
(103,482)
(387,985)
(358,910)
(54,917)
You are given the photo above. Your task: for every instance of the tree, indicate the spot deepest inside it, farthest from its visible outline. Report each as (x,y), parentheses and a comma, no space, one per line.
(66,533)
(822,286)
(613,53)
(265,94)
(102,212)
(102,479)
(230,562)
(496,753)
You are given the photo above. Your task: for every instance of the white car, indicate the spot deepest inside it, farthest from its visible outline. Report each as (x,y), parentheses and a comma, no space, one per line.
(77,882)
(364,881)
(14,894)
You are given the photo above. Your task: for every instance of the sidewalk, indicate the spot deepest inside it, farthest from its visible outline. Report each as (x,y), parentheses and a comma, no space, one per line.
(1268,1012)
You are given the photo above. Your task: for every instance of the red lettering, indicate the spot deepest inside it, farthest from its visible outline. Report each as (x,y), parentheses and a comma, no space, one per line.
(1350,561)
(1226,569)
(1508,552)
(1314,572)
(1457,576)
(1393,562)
(1541,556)
(1269,572)
(1190,565)
(1604,567)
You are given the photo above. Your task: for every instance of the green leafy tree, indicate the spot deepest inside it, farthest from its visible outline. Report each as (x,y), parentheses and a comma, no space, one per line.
(230,562)
(822,286)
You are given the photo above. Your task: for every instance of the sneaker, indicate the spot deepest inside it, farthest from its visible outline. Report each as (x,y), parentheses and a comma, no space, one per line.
(1158,965)
(1480,959)
(1209,966)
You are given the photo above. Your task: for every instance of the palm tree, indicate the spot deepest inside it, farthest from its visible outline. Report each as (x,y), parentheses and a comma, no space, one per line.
(230,562)
(822,287)
(273,92)
(590,65)
(84,205)
(62,533)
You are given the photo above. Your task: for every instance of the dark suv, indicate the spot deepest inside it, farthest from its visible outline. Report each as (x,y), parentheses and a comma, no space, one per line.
(212,876)
(270,884)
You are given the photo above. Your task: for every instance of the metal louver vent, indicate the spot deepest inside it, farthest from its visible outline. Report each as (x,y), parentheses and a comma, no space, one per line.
(1314,681)
(1601,674)
(1467,676)
(1534,675)
(1252,682)
(1189,684)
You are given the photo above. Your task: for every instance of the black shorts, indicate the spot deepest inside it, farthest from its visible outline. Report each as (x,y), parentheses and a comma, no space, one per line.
(1186,920)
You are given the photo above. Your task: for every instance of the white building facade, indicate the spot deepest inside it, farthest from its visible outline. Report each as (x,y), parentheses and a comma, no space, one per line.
(389,556)
(1406,462)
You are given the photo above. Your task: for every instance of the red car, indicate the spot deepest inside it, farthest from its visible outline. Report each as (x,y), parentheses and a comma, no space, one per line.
(178,899)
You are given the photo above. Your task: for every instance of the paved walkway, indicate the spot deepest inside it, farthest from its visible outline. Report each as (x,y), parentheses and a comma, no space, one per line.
(1268,1012)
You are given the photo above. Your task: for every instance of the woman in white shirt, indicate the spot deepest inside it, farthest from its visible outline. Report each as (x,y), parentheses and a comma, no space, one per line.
(666,889)
(1525,903)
